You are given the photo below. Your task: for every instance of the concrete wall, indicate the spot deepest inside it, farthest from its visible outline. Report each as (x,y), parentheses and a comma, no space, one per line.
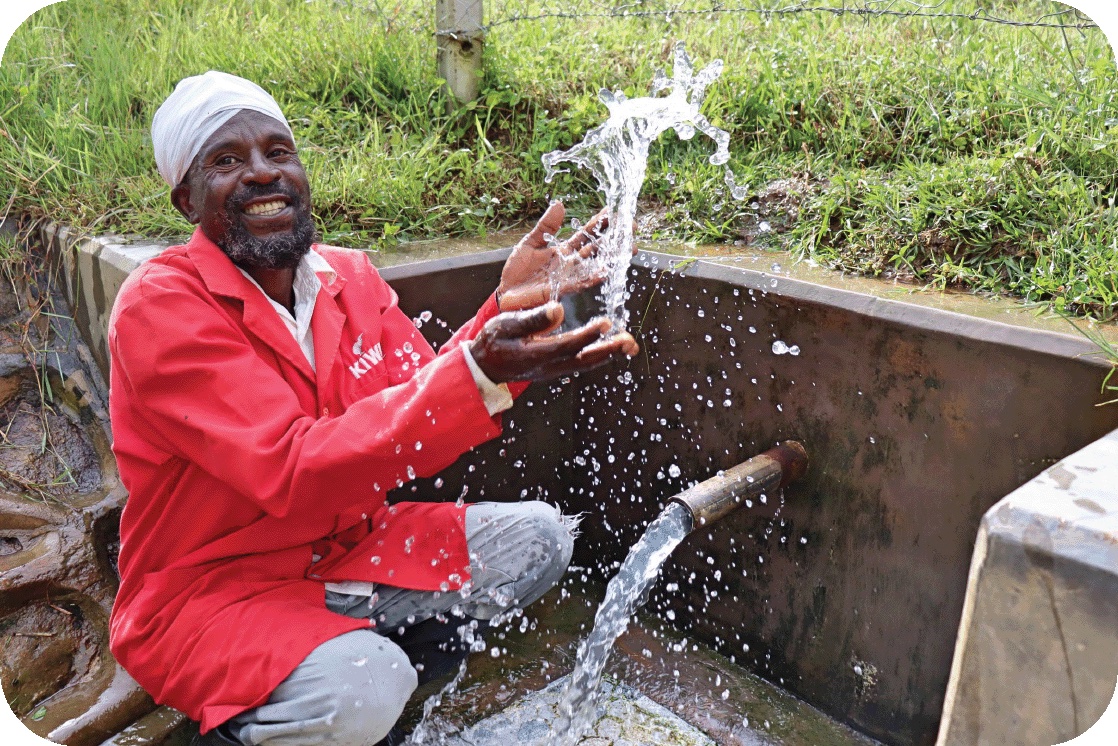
(91,270)
(1041,609)
(849,588)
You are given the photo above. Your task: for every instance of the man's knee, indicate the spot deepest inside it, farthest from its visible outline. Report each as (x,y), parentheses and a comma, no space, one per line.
(349,691)
(372,683)
(381,686)
(549,545)
(555,531)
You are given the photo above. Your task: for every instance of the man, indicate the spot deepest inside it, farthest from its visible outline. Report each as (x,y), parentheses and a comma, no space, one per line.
(266,392)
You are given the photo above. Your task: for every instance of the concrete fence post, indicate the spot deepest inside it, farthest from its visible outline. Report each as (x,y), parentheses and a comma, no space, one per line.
(460,39)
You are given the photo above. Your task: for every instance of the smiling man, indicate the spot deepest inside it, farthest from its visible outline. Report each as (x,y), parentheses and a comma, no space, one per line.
(266,392)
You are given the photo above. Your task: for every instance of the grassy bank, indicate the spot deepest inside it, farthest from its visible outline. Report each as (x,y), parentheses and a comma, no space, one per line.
(948,151)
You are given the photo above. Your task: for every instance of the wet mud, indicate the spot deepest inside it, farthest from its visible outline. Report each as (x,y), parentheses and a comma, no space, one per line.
(60,503)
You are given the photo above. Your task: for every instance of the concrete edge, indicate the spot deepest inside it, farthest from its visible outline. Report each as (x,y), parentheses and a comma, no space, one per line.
(1069,510)
(907,314)
(124,253)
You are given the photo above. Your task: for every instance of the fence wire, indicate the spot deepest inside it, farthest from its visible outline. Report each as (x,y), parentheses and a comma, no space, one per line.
(1006,13)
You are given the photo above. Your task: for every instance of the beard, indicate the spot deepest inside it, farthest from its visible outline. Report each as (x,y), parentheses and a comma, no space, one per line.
(283,251)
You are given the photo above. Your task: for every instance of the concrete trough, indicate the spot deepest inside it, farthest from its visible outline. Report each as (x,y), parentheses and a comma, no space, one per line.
(926,431)
(849,593)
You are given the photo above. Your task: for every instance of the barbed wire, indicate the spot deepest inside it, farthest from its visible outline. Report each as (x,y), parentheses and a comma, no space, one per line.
(899,9)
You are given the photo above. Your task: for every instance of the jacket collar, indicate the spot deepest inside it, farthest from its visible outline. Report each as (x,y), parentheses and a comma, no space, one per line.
(222,277)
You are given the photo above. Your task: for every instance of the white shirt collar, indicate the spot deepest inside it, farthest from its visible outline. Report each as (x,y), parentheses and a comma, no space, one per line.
(314,263)
(306,286)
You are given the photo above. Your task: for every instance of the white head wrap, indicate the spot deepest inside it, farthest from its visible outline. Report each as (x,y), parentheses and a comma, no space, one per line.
(195,110)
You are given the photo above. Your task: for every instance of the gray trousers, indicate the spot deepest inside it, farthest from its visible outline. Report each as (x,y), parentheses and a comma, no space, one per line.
(351,689)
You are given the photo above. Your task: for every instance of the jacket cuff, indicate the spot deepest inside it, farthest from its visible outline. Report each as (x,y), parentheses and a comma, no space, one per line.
(495,395)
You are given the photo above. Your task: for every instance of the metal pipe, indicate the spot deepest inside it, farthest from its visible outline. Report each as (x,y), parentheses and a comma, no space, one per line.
(711,500)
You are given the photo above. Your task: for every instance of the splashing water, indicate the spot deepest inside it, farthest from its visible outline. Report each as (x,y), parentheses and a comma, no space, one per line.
(624,594)
(616,152)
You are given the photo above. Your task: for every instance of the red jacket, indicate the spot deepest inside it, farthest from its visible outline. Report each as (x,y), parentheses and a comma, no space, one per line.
(241,462)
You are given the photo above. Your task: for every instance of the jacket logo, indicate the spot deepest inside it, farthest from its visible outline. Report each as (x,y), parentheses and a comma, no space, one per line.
(366,359)
(357,344)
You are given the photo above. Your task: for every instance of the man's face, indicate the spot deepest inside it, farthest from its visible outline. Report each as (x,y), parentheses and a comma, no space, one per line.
(248,192)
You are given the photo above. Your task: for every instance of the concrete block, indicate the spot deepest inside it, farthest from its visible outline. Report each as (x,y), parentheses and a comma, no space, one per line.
(1037,654)
(92,270)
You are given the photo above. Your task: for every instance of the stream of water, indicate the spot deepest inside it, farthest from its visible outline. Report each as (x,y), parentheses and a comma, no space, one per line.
(624,595)
(616,153)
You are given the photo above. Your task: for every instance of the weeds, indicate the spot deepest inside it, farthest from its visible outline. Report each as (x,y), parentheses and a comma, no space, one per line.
(949,152)
(40,469)
(1107,351)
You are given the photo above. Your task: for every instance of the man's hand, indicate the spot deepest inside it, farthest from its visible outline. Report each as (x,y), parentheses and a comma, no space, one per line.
(512,346)
(534,269)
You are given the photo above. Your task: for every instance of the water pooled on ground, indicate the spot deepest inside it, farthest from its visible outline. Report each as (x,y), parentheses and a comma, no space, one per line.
(658,687)
(626,718)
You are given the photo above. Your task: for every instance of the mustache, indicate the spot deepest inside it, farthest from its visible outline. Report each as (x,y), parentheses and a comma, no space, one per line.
(256,191)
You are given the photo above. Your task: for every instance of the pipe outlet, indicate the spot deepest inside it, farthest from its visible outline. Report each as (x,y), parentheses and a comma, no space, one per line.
(768,472)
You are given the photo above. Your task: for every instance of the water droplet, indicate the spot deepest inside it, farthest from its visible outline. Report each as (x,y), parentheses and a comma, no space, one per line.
(673,470)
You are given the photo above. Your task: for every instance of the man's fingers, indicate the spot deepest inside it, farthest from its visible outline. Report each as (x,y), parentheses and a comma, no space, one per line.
(603,348)
(570,343)
(585,241)
(515,346)
(571,279)
(574,285)
(549,224)
(516,324)
(531,296)
(592,355)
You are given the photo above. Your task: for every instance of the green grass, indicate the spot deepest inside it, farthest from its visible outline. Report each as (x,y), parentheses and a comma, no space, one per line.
(950,152)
